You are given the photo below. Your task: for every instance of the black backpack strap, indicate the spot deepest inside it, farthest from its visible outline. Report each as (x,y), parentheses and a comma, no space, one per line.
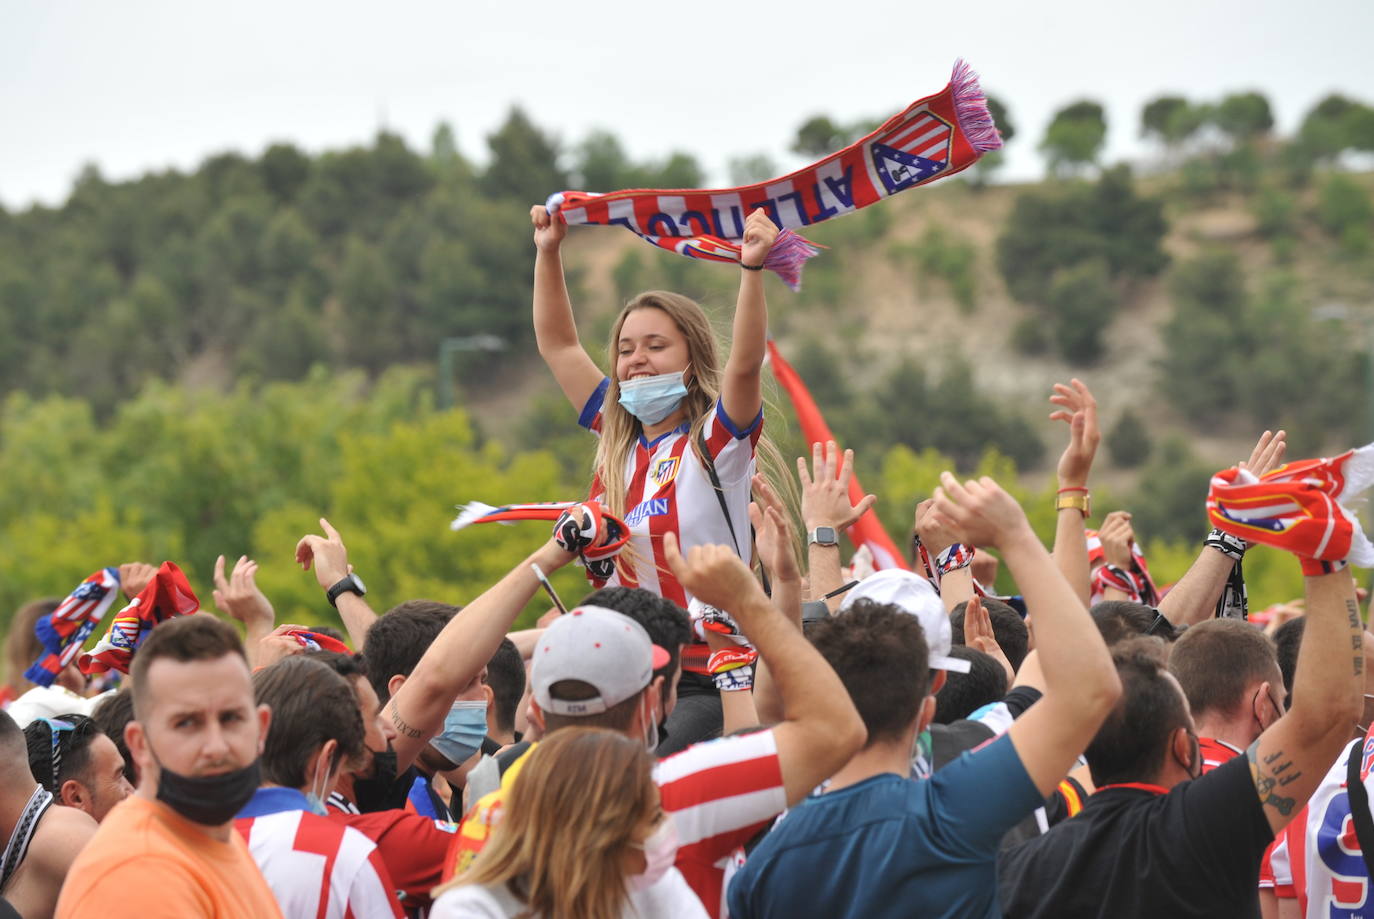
(1359,805)
(710,465)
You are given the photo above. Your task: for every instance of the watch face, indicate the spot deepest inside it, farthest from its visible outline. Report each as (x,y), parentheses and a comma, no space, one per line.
(362,588)
(824,536)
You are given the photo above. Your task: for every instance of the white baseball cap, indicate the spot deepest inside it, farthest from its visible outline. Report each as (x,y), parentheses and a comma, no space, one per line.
(605,649)
(912,594)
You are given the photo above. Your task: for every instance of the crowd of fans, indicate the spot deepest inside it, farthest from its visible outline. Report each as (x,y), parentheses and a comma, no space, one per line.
(724,725)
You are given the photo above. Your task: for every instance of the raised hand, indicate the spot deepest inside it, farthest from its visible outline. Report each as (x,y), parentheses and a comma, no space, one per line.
(326,553)
(1079,409)
(714,575)
(759,234)
(1117,538)
(980,510)
(825,488)
(239,596)
(549,229)
(978,634)
(936,533)
(773,534)
(1268,453)
(134,576)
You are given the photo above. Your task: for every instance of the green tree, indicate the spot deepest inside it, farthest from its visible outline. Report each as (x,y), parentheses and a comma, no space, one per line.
(284,170)
(1059,227)
(1171,120)
(819,135)
(1129,441)
(1244,116)
(600,163)
(1083,304)
(1205,333)
(524,161)
(1075,137)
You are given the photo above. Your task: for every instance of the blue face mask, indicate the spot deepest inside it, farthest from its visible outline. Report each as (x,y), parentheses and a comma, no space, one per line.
(464,727)
(651,399)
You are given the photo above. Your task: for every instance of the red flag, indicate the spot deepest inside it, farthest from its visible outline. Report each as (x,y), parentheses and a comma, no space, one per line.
(867,531)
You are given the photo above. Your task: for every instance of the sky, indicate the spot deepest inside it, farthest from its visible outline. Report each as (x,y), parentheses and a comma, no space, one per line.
(145,85)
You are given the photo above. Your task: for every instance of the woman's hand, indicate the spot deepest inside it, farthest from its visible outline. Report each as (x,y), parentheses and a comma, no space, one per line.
(759,234)
(549,229)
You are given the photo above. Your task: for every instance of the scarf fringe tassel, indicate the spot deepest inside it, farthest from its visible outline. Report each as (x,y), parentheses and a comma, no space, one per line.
(971,108)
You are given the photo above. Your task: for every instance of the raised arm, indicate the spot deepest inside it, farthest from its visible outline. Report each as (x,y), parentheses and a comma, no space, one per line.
(741,388)
(820,729)
(1080,681)
(1194,598)
(1079,409)
(826,503)
(555,330)
(239,597)
(1289,759)
(329,557)
(936,535)
(460,651)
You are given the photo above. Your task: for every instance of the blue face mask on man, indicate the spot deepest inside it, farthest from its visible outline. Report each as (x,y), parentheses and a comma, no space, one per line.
(464,728)
(651,399)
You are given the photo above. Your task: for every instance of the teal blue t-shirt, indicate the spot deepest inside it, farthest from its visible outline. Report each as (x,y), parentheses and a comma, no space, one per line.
(892,846)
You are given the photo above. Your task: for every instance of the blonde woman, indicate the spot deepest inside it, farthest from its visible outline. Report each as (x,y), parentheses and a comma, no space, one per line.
(670,413)
(582,836)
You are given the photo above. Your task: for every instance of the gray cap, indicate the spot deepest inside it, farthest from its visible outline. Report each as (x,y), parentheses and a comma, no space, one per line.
(605,649)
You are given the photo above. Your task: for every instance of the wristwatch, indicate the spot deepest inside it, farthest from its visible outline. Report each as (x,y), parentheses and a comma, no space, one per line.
(822,536)
(349,584)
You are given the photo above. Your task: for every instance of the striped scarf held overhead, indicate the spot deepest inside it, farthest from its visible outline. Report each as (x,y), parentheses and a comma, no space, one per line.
(1300,507)
(933,137)
(66,629)
(167,595)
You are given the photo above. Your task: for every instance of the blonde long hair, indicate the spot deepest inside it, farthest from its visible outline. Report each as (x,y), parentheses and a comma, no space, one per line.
(567,825)
(620,430)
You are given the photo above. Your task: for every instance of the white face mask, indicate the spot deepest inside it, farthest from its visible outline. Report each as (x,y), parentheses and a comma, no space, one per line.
(660,852)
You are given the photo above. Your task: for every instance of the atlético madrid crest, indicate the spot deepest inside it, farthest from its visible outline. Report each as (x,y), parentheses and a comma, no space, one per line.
(912,152)
(665,470)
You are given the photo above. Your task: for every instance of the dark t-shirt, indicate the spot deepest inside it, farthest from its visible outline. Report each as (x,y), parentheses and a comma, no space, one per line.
(1133,852)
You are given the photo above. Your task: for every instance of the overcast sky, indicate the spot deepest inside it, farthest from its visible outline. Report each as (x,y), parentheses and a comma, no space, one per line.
(141,84)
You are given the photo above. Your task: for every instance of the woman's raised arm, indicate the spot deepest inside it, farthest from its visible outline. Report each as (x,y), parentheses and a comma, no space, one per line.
(741,389)
(555,330)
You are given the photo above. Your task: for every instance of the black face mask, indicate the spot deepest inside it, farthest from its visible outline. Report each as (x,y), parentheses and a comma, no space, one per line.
(377,791)
(211,800)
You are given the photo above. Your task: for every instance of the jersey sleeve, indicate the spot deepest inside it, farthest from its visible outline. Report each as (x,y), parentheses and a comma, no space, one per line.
(720,793)
(590,418)
(981,795)
(732,449)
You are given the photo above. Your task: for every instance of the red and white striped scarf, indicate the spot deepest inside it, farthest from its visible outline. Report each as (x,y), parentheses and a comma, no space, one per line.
(1299,507)
(932,138)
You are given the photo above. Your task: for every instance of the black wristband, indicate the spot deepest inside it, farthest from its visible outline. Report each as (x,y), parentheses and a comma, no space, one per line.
(751,267)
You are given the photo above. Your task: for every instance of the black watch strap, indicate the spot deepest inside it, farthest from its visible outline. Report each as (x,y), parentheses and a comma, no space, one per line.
(349,584)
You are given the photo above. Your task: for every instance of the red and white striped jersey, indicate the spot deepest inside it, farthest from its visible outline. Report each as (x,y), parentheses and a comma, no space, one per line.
(319,868)
(1319,859)
(669,490)
(720,794)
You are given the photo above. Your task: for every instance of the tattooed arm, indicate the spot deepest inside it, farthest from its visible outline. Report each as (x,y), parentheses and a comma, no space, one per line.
(1288,760)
